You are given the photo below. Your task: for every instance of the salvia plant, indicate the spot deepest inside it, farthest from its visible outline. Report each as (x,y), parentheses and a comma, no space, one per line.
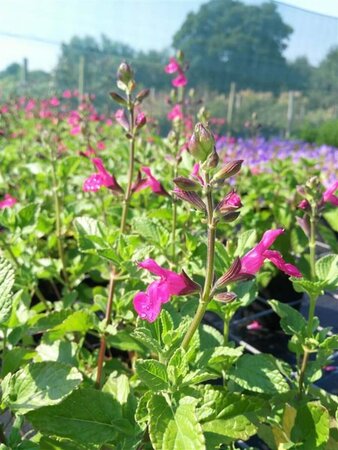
(124,260)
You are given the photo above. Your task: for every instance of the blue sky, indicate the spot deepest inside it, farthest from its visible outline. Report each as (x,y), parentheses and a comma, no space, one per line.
(143,24)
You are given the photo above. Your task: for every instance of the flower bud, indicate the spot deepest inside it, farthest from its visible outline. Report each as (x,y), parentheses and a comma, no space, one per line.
(227,171)
(230,274)
(121,119)
(186,184)
(125,77)
(201,143)
(190,197)
(140,120)
(118,99)
(212,161)
(225,297)
(228,207)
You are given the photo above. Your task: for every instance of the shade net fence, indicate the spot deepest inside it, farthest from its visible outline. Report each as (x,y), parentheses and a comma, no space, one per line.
(255,65)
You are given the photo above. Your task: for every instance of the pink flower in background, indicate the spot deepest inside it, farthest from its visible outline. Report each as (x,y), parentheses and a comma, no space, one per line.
(75,130)
(254,259)
(151,182)
(304,204)
(121,119)
(8,201)
(329,195)
(175,113)
(4,109)
(254,326)
(67,93)
(101,178)
(148,304)
(180,80)
(30,105)
(173,67)
(54,101)
(101,145)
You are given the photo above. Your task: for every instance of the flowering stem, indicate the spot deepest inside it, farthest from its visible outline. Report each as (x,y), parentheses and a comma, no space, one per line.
(312,245)
(123,224)
(174,222)
(58,225)
(130,169)
(109,306)
(205,297)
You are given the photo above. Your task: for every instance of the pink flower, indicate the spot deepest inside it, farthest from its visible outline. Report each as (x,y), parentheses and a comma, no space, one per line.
(254,326)
(175,113)
(140,120)
(233,200)
(8,201)
(101,178)
(151,182)
(196,174)
(173,66)
(180,80)
(254,259)
(75,130)
(67,93)
(329,195)
(121,119)
(304,204)
(54,101)
(148,304)
(30,105)
(101,145)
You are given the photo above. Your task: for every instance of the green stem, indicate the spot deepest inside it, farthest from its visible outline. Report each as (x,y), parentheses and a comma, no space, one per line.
(312,246)
(302,373)
(130,169)
(174,222)
(58,224)
(205,298)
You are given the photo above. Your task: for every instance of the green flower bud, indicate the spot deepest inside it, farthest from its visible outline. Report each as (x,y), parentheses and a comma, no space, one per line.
(202,142)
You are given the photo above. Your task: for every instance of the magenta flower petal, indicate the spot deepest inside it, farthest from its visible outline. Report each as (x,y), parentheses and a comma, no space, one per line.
(268,239)
(173,66)
(151,182)
(93,183)
(329,196)
(179,81)
(277,259)
(254,326)
(148,304)
(8,201)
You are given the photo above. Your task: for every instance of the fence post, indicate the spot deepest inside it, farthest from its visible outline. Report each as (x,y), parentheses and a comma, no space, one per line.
(81,76)
(231,104)
(24,74)
(289,114)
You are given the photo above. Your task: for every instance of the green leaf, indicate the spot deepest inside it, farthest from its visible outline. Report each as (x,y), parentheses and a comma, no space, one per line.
(258,373)
(151,230)
(153,374)
(118,387)
(224,431)
(312,288)
(143,335)
(327,270)
(92,238)
(177,366)
(292,321)
(38,385)
(87,416)
(27,215)
(6,284)
(79,321)
(47,443)
(312,426)
(171,429)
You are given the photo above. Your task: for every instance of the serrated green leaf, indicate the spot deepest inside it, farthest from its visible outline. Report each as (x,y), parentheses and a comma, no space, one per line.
(6,284)
(327,270)
(177,366)
(38,385)
(292,321)
(153,374)
(87,416)
(312,288)
(171,429)
(258,373)
(118,387)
